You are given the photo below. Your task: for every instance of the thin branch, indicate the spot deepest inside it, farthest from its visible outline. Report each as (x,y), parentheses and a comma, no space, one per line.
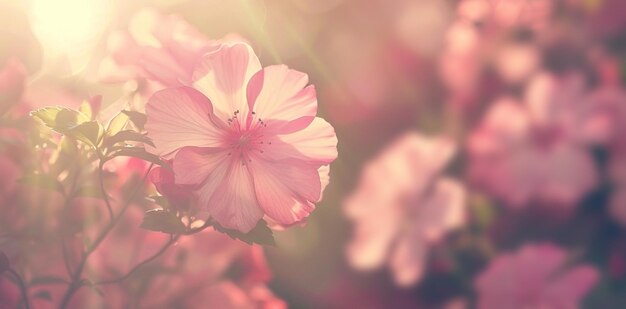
(156,255)
(105,195)
(76,282)
(68,200)
(22,286)
(66,259)
(167,245)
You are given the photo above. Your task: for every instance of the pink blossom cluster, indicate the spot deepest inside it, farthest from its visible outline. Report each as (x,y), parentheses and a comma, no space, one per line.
(535,109)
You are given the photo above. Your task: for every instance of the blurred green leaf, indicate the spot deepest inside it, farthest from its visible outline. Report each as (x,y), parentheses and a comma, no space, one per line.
(89,191)
(127,136)
(482,210)
(160,220)
(85,109)
(70,122)
(42,181)
(141,153)
(137,118)
(261,234)
(160,200)
(59,118)
(117,124)
(88,132)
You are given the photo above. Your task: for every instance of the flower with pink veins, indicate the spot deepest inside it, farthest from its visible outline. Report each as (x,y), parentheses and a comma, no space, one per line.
(247,137)
(403,205)
(536,150)
(536,276)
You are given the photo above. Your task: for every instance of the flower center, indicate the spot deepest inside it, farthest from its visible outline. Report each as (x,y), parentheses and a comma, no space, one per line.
(245,138)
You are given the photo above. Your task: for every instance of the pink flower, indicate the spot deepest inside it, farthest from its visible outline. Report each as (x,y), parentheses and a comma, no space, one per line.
(10,296)
(163,49)
(535,150)
(609,110)
(12,82)
(534,277)
(246,136)
(403,205)
(11,172)
(480,40)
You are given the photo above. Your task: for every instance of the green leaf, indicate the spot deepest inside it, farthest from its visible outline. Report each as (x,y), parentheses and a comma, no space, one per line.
(89,191)
(141,153)
(137,118)
(59,118)
(42,181)
(47,115)
(261,234)
(88,132)
(127,136)
(70,122)
(160,200)
(67,145)
(85,109)
(160,220)
(117,124)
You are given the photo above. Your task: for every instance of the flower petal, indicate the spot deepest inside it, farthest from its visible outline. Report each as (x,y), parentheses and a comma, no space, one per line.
(572,286)
(407,260)
(193,165)
(324,172)
(223,75)
(441,210)
(229,197)
(179,117)
(277,93)
(286,190)
(376,223)
(316,144)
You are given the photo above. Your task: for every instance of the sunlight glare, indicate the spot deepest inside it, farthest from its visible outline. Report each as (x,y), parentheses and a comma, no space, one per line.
(69,29)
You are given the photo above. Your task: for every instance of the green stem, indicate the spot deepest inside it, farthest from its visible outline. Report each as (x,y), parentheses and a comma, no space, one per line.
(76,282)
(22,286)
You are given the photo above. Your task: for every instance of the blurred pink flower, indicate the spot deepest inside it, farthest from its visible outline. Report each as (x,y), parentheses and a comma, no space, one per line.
(10,296)
(12,83)
(605,18)
(507,14)
(403,205)
(536,276)
(161,48)
(11,172)
(535,150)
(246,136)
(609,122)
(480,38)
